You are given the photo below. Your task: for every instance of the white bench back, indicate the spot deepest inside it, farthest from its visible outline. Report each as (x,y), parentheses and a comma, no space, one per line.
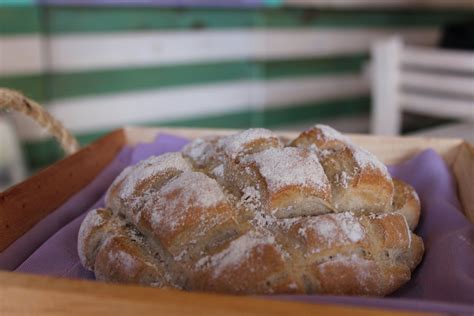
(435,82)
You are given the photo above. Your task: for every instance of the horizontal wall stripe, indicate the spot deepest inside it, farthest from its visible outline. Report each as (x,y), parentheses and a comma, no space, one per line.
(363,18)
(31,85)
(97,19)
(46,151)
(17,2)
(279,93)
(19,19)
(101,19)
(344,4)
(109,111)
(138,49)
(158,3)
(285,115)
(63,19)
(21,55)
(66,85)
(313,66)
(73,53)
(273,3)
(286,43)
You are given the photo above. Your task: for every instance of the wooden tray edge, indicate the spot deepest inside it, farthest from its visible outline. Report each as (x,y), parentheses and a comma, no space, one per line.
(40,295)
(72,297)
(18,212)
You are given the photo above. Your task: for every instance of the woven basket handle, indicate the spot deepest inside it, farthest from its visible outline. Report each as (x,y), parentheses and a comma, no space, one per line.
(14,100)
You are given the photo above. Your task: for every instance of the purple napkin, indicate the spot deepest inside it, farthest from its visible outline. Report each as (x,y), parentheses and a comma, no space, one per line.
(444,281)
(50,246)
(446,274)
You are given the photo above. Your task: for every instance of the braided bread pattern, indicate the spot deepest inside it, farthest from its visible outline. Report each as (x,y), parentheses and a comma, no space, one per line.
(252,214)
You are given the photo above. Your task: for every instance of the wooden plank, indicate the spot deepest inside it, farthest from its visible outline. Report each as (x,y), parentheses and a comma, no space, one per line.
(462,109)
(25,204)
(441,83)
(449,130)
(446,60)
(386,115)
(464,172)
(52,296)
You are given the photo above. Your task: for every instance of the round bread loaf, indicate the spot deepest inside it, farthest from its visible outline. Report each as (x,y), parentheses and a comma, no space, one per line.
(249,214)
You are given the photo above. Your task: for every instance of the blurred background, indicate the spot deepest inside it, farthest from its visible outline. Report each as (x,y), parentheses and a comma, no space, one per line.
(97,65)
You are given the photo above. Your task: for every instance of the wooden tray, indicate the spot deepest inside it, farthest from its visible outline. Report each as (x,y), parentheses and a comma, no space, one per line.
(22,206)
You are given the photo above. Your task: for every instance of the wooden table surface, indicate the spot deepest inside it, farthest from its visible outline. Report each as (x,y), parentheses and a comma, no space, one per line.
(23,294)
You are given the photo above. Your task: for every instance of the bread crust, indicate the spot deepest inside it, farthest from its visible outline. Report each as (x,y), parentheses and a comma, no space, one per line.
(406,202)
(245,214)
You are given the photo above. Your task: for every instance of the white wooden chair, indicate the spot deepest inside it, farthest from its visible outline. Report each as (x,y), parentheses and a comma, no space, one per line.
(10,152)
(435,82)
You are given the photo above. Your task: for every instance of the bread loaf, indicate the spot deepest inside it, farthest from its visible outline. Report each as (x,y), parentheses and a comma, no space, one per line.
(252,214)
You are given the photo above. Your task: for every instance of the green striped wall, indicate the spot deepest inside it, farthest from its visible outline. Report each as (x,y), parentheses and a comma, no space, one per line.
(43,152)
(65,85)
(108,19)
(34,86)
(65,21)
(17,20)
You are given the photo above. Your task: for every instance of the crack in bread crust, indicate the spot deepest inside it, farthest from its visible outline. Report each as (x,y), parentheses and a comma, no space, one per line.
(245,214)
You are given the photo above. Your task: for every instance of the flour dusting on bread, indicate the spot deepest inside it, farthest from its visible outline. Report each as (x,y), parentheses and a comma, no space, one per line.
(237,252)
(289,166)
(246,214)
(151,167)
(237,144)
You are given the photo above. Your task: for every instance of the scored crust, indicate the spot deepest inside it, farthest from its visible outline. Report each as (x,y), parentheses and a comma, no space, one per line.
(406,202)
(291,181)
(360,182)
(244,214)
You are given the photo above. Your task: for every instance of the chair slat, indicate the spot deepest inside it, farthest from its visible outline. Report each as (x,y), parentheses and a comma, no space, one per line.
(438,59)
(436,106)
(451,84)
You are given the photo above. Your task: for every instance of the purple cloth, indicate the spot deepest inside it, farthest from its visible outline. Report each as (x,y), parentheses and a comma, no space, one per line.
(24,246)
(446,274)
(54,242)
(444,281)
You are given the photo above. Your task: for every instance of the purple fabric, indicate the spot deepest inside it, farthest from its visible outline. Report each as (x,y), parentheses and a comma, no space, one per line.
(446,274)
(24,246)
(444,281)
(54,251)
